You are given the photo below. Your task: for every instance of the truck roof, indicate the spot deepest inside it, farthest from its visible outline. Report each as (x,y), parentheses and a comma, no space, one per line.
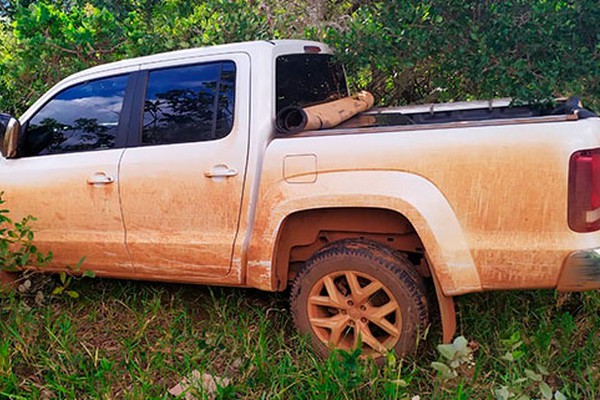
(247,47)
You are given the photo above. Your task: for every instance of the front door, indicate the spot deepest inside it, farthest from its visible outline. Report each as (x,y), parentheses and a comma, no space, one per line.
(66,175)
(182,175)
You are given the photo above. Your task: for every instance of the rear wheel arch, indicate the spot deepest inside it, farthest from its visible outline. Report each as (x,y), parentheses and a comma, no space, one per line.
(305,232)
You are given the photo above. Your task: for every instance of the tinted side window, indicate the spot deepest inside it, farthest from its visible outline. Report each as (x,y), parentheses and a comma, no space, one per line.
(82,118)
(189,104)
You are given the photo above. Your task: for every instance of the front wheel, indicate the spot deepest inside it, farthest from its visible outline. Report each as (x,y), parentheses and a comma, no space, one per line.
(358,291)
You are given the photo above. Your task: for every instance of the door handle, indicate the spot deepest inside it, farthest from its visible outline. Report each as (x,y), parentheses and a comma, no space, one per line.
(221,171)
(100,178)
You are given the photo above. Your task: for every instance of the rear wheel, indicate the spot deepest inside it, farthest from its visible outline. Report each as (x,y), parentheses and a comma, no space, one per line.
(359,290)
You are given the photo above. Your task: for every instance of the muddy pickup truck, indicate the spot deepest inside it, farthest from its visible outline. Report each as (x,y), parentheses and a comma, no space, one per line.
(205,166)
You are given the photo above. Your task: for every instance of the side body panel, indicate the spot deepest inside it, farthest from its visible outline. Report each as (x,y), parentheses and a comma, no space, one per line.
(488,202)
(74,218)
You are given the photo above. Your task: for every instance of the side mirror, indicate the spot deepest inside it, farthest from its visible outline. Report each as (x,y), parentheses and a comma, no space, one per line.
(9,135)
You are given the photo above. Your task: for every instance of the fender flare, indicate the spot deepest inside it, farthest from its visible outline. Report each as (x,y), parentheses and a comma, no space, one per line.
(413,196)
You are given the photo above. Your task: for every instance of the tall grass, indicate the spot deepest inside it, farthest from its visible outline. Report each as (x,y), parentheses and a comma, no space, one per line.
(132,340)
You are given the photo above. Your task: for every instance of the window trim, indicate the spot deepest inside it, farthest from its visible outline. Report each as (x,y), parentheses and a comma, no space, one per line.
(136,120)
(120,139)
(136,123)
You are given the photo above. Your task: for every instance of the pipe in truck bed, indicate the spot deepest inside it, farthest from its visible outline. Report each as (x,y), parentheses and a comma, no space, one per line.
(327,115)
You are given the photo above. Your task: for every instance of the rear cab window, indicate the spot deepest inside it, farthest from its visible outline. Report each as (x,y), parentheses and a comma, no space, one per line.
(307,79)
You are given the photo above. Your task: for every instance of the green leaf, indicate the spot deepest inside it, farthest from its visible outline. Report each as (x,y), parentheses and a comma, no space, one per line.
(58,290)
(533,376)
(88,274)
(461,345)
(502,393)
(542,370)
(517,345)
(78,266)
(73,294)
(448,351)
(63,277)
(545,390)
(559,396)
(444,370)
(24,259)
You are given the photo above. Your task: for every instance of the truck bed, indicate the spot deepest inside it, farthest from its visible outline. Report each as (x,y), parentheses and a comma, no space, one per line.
(461,114)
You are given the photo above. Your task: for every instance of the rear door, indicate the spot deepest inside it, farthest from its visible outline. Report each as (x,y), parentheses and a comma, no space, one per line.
(66,175)
(183,172)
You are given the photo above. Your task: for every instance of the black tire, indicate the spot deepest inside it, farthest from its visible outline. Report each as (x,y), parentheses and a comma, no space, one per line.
(318,298)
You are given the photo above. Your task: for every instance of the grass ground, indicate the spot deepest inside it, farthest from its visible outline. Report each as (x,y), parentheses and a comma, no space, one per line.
(133,340)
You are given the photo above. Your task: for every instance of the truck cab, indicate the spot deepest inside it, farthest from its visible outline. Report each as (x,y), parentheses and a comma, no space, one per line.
(141,158)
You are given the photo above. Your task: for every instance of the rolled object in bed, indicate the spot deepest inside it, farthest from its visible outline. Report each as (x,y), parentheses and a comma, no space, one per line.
(327,115)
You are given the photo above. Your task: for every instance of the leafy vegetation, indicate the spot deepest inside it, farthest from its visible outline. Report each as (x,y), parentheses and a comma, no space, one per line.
(404,52)
(16,243)
(116,339)
(132,340)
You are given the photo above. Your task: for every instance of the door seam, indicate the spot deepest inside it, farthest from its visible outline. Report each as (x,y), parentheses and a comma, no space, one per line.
(122,213)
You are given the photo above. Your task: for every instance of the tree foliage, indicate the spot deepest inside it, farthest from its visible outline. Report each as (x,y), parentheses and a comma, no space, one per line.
(403,51)
(449,50)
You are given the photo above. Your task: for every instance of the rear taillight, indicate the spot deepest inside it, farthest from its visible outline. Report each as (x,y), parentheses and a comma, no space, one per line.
(584,191)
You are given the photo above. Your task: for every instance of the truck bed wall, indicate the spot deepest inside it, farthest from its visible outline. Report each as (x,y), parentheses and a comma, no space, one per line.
(489,203)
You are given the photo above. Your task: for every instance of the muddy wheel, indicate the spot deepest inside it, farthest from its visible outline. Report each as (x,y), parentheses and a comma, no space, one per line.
(358,288)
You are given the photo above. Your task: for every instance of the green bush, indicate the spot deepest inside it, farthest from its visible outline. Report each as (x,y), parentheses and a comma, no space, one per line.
(455,50)
(16,243)
(404,52)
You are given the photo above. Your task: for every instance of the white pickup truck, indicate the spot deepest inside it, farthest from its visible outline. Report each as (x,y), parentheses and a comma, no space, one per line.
(171,168)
